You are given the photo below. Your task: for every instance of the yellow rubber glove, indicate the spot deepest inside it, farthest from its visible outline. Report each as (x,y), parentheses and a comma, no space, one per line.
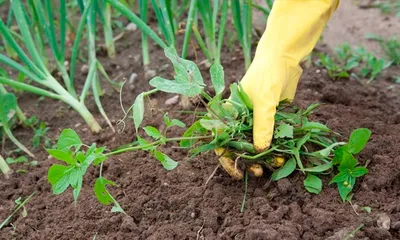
(293,29)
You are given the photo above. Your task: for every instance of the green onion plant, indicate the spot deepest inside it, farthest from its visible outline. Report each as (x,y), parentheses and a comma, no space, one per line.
(212,44)
(33,65)
(242,21)
(105,14)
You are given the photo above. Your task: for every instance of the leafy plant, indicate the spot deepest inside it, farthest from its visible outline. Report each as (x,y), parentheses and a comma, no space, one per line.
(308,146)
(347,163)
(39,132)
(347,61)
(373,67)
(34,66)
(388,7)
(341,65)
(390,46)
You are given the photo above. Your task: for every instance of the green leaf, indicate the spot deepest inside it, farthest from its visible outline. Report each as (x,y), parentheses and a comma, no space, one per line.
(344,190)
(236,98)
(8,106)
(138,110)
(20,159)
(61,185)
(327,151)
(166,161)
(203,148)
(217,78)
(62,156)
(340,154)
(143,142)
(167,121)
(313,184)
(188,80)
(284,171)
(152,132)
(358,172)
(319,169)
(176,122)
(195,130)
(366,209)
(212,124)
(68,139)
(315,126)
(284,131)
(103,196)
(358,140)
(184,88)
(75,179)
(302,141)
(348,162)
(56,172)
(340,177)
(245,98)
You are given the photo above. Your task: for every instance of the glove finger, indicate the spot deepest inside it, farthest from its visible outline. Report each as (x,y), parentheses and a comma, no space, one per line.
(264,119)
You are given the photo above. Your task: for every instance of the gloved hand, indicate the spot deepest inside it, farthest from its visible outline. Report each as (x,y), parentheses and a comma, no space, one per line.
(293,29)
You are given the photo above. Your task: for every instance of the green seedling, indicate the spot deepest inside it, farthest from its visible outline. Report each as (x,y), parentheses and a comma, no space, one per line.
(341,65)
(373,67)
(308,146)
(388,7)
(347,163)
(39,132)
(390,46)
(19,204)
(347,61)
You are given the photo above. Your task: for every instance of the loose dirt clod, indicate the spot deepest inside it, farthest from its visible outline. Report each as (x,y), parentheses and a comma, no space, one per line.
(383,221)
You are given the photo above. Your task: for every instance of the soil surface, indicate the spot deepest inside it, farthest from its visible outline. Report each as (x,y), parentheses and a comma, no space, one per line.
(177,204)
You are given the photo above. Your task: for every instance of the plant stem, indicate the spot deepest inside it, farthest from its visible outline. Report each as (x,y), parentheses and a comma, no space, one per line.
(245,192)
(108,30)
(2,224)
(176,139)
(143,6)
(5,169)
(258,155)
(189,24)
(15,141)
(139,23)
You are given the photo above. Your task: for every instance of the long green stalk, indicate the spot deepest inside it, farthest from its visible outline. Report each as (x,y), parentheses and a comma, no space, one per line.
(189,24)
(143,7)
(162,12)
(242,21)
(136,20)
(5,169)
(91,19)
(105,13)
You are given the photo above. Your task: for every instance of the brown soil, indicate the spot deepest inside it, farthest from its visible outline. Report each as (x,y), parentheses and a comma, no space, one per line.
(176,204)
